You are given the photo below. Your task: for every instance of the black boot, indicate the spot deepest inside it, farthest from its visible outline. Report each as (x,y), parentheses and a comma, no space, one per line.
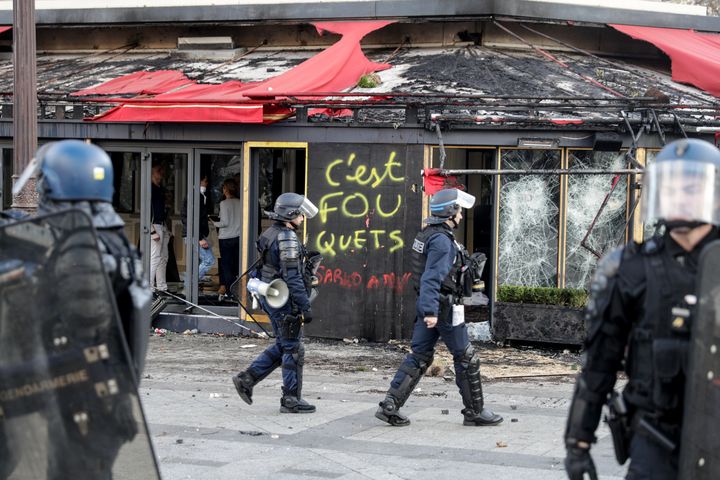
(244,383)
(290,403)
(389,412)
(482,419)
(414,367)
(474,414)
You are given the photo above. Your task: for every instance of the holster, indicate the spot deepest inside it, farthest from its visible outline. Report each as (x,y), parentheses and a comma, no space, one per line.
(290,327)
(619,424)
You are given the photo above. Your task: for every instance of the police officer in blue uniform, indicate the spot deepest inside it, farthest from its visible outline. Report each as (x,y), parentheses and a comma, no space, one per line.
(442,273)
(639,319)
(283,256)
(74,175)
(78,175)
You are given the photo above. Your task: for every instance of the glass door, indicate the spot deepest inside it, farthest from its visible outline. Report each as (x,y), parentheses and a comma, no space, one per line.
(164,183)
(213,176)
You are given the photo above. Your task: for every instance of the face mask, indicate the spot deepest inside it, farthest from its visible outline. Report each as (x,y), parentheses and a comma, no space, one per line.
(203,189)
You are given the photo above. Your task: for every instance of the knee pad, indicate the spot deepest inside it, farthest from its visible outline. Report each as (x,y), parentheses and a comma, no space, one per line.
(469,359)
(424,360)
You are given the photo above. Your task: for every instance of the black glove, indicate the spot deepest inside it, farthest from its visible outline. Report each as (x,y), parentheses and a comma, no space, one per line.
(307,316)
(578,462)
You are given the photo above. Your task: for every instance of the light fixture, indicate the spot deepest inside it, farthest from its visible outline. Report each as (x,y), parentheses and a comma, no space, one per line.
(539,143)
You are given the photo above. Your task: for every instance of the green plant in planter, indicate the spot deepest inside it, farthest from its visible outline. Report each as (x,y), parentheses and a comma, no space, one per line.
(564,297)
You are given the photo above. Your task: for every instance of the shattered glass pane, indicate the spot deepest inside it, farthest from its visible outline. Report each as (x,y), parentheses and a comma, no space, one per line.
(529,217)
(649,229)
(585,196)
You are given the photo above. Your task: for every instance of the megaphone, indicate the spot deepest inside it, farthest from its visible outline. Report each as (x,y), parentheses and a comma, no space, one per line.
(276,293)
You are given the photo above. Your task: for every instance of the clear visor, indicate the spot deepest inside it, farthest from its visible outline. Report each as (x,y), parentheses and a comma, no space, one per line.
(308,208)
(678,190)
(465,200)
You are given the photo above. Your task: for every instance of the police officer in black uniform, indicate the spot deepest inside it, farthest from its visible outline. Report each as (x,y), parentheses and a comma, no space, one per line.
(441,273)
(283,256)
(639,320)
(72,174)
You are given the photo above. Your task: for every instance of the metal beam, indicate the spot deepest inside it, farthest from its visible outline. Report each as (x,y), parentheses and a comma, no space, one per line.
(210,135)
(379,9)
(24,98)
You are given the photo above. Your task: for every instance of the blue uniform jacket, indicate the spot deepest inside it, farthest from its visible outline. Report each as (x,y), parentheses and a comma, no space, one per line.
(293,278)
(441,253)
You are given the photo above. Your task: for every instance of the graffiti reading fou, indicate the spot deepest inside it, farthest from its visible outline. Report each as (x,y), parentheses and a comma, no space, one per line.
(356,197)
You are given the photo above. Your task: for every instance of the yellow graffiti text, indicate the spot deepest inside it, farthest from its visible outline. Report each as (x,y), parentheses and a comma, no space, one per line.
(327,243)
(362,174)
(354,205)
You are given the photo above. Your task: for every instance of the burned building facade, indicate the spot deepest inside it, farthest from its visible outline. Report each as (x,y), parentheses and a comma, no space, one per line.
(365,107)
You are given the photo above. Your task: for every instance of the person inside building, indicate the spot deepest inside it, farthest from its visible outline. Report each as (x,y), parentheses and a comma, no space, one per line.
(639,317)
(159,233)
(229,226)
(282,256)
(440,272)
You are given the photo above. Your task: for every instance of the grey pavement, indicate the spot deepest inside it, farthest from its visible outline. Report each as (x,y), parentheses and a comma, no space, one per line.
(202,430)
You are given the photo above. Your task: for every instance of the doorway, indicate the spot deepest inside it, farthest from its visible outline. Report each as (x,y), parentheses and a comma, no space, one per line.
(272,169)
(476,232)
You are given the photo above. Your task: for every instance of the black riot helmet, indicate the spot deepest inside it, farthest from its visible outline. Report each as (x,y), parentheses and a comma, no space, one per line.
(682,186)
(446,203)
(289,206)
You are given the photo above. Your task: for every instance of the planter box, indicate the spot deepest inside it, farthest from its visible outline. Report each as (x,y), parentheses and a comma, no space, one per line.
(537,323)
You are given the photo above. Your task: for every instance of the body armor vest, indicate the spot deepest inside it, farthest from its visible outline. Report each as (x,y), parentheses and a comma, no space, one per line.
(453,283)
(266,271)
(659,342)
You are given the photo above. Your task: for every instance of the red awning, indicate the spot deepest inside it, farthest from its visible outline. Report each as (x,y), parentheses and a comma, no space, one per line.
(185,113)
(5,28)
(695,56)
(140,83)
(178,99)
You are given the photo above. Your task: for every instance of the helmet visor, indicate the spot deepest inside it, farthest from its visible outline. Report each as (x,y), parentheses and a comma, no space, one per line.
(464,199)
(678,190)
(308,208)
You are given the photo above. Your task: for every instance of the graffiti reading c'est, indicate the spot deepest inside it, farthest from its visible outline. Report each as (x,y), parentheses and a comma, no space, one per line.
(360,204)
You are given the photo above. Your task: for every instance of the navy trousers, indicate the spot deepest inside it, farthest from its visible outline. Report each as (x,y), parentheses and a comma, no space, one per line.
(283,352)
(424,340)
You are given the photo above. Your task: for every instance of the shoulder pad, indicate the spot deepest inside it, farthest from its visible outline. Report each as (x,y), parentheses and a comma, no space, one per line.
(287,234)
(289,247)
(601,289)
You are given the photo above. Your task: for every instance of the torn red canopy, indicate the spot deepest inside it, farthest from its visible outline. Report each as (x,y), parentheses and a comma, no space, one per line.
(695,56)
(139,83)
(335,69)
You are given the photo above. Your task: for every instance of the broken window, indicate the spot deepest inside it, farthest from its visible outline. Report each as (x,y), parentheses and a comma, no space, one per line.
(584,198)
(529,218)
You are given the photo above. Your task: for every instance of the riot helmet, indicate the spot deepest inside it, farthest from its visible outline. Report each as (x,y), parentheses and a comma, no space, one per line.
(289,206)
(447,203)
(682,186)
(70,171)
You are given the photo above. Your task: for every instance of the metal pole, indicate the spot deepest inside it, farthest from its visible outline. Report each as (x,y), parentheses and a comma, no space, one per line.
(555,171)
(24,99)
